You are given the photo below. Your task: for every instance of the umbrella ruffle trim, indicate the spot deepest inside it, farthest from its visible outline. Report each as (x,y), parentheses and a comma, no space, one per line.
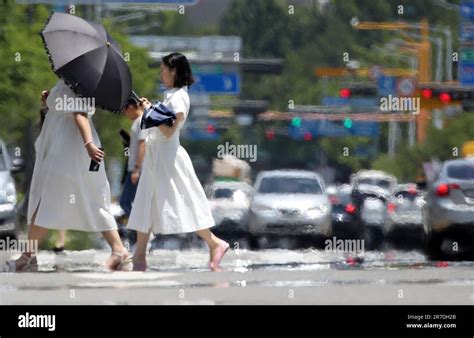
(66,81)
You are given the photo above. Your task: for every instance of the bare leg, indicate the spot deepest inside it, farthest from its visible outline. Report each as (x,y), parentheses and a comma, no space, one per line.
(211,240)
(139,257)
(217,248)
(61,239)
(113,239)
(36,234)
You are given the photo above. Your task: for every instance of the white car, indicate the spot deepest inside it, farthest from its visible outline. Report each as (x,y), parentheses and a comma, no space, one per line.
(290,202)
(230,202)
(8,198)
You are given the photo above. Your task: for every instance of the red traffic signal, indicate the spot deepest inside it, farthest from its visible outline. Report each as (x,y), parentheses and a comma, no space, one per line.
(270,134)
(445,97)
(345,93)
(427,93)
(211,129)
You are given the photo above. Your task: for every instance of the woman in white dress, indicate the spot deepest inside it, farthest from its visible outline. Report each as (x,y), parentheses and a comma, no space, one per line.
(64,194)
(170,198)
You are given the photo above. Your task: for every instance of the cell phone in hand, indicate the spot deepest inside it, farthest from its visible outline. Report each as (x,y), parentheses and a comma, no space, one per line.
(94,166)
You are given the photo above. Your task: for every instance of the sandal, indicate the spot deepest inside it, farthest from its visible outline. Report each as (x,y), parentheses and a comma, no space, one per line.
(30,266)
(216,261)
(125,264)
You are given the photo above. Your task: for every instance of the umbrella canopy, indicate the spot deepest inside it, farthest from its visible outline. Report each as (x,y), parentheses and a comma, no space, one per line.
(84,55)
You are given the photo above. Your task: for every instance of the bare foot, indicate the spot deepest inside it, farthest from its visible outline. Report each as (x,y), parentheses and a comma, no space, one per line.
(139,264)
(119,261)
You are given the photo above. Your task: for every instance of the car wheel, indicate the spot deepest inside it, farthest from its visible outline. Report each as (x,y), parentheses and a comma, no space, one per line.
(373,238)
(432,244)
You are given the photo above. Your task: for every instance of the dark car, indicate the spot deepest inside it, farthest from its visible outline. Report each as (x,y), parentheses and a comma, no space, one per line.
(345,217)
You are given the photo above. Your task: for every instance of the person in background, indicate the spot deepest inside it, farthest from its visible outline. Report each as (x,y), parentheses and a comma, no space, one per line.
(136,153)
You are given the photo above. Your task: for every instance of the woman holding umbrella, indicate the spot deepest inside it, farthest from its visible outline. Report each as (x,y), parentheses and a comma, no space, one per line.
(64,194)
(68,191)
(170,198)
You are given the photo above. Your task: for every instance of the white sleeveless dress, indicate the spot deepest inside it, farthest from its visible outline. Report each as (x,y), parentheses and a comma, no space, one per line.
(169,198)
(69,196)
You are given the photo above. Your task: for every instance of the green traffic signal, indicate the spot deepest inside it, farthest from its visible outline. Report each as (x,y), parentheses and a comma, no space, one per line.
(347,123)
(296,122)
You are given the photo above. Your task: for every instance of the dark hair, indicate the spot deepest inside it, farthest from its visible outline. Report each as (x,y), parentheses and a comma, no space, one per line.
(179,62)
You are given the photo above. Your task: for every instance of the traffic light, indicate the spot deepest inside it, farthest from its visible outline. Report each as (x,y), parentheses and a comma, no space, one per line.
(345,93)
(347,123)
(296,122)
(307,136)
(269,134)
(211,129)
(446,93)
(361,89)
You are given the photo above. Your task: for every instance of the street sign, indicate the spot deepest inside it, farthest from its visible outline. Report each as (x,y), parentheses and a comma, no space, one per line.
(467,10)
(386,85)
(375,72)
(224,84)
(334,101)
(406,86)
(365,128)
(95,2)
(466,54)
(466,31)
(359,102)
(466,73)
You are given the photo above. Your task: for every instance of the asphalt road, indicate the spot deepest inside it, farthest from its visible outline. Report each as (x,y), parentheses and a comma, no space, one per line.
(250,277)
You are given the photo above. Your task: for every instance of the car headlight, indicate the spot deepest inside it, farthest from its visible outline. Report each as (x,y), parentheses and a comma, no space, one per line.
(318,211)
(9,193)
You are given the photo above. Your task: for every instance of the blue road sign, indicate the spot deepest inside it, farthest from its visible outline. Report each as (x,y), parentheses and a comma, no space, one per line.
(223,84)
(197,134)
(466,73)
(95,2)
(353,101)
(467,10)
(466,31)
(334,101)
(323,128)
(365,128)
(387,85)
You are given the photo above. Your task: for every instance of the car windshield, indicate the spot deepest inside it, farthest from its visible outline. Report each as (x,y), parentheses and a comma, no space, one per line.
(375,181)
(463,171)
(289,185)
(223,193)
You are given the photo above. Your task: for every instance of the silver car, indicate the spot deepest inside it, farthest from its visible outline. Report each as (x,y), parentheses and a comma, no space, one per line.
(404,213)
(371,190)
(8,198)
(230,201)
(289,202)
(449,209)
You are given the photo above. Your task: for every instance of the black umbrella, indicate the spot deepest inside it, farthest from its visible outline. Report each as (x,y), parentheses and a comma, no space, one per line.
(89,61)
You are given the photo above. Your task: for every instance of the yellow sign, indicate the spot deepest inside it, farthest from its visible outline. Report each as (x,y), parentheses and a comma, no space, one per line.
(468,149)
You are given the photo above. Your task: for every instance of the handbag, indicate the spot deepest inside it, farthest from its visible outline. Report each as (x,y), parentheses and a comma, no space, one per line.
(157,115)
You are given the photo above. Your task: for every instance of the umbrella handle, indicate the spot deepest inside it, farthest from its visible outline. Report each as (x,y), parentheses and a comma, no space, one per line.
(135,96)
